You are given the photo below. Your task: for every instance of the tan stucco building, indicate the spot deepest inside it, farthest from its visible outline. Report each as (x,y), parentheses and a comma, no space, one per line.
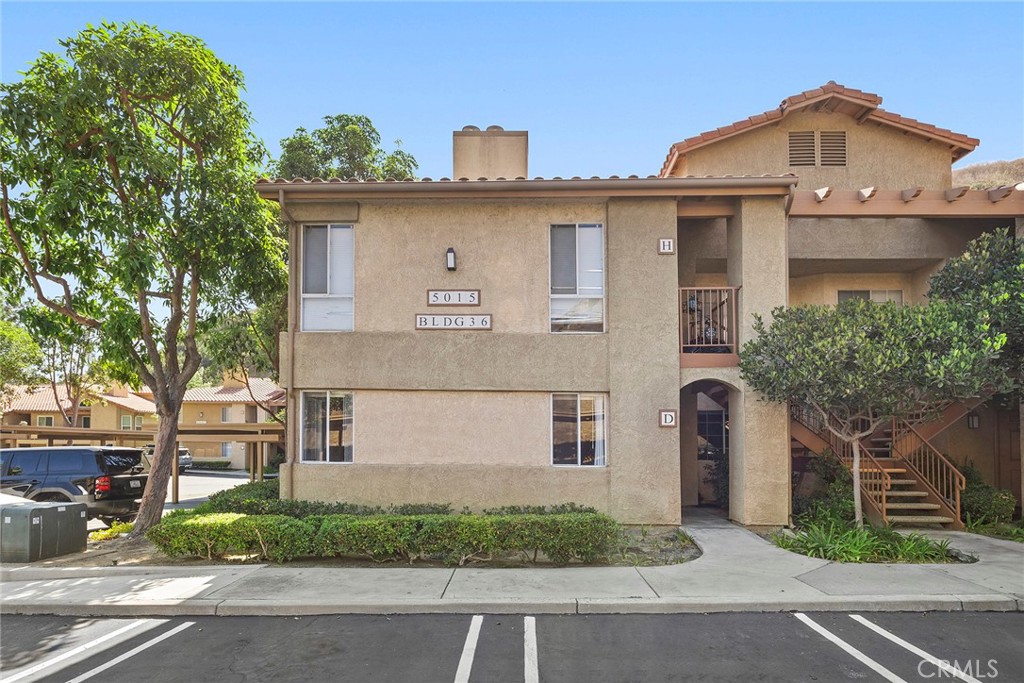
(491,339)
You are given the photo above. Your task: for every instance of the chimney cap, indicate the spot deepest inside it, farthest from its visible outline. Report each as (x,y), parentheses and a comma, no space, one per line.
(494,128)
(470,128)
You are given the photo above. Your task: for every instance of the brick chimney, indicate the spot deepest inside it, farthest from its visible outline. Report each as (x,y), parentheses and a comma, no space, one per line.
(492,153)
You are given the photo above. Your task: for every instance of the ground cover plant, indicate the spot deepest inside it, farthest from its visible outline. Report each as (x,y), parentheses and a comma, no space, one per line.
(826,528)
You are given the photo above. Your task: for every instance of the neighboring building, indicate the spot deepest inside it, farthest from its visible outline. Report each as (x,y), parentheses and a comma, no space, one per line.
(38,406)
(228,404)
(496,340)
(120,408)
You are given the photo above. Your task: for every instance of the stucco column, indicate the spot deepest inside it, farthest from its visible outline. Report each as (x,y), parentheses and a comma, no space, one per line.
(689,474)
(643,362)
(758,261)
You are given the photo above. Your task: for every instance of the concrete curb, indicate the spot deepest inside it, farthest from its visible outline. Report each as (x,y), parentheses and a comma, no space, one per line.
(702,605)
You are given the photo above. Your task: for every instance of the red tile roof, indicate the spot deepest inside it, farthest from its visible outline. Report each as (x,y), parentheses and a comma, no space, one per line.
(38,399)
(869,102)
(263,389)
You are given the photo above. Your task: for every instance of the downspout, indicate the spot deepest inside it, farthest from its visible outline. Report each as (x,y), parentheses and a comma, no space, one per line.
(290,417)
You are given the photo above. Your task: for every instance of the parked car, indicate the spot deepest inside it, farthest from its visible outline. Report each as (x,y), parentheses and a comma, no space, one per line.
(108,480)
(184,458)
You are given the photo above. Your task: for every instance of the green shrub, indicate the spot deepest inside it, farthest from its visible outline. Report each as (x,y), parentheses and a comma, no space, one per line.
(839,542)
(560,509)
(983,503)
(272,537)
(263,498)
(115,530)
(455,539)
(833,500)
(211,464)
(197,535)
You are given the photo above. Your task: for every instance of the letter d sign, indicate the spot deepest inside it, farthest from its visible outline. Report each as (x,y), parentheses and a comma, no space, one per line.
(667,418)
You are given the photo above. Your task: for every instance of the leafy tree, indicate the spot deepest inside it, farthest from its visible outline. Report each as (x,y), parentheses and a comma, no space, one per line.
(19,355)
(245,343)
(348,146)
(859,365)
(989,279)
(70,358)
(127,167)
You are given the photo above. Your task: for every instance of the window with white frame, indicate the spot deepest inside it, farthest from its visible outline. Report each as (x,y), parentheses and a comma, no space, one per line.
(328,277)
(578,430)
(225,450)
(877,296)
(126,422)
(44,420)
(577,277)
(326,426)
(138,423)
(225,414)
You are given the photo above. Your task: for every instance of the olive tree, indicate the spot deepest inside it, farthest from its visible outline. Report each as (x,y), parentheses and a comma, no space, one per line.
(127,167)
(860,364)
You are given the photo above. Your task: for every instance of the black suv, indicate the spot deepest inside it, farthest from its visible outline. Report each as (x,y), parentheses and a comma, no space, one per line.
(108,480)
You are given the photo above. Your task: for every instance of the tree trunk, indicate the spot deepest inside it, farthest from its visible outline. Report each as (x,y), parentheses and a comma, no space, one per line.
(165,448)
(858,511)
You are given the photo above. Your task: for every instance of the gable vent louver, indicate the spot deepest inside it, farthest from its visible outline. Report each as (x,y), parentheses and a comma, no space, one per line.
(801,148)
(833,148)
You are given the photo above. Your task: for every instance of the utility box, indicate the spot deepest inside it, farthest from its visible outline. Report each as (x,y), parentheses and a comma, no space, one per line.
(37,531)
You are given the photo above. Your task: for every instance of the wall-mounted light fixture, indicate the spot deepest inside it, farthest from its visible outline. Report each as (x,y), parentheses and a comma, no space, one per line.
(450,258)
(973,421)
(200,414)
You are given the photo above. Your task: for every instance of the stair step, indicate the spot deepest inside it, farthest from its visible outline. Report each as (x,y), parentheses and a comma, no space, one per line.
(913,506)
(919,519)
(903,482)
(906,494)
(887,470)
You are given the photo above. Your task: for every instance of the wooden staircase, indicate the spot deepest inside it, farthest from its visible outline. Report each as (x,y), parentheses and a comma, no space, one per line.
(904,480)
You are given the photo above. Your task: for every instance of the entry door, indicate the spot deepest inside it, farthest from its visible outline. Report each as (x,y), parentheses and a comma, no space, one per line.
(1008,450)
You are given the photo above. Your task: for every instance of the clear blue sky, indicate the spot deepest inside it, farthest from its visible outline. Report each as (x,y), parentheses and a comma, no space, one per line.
(603,88)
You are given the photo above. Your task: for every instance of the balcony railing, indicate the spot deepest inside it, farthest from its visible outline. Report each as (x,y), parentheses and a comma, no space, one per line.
(707,327)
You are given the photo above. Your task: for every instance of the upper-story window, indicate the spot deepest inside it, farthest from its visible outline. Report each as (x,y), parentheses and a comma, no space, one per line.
(877,296)
(577,277)
(817,148)
(328,277)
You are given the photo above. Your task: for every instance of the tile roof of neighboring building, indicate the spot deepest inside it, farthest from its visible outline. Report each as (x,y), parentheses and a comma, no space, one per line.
(650,181)
(132,402)
(38,399)
(263,389)
(834,97)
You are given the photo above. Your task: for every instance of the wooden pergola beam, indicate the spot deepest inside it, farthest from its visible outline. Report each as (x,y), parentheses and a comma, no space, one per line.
(956,193)
(911,193)
(891,203)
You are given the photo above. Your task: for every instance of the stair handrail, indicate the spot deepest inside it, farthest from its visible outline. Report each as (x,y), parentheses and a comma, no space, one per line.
(874,481)
(938,473)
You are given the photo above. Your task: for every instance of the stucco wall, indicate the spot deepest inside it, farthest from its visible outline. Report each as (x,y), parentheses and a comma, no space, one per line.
(488,393)
(449,427)
(908,160)
(194,413)
(824,289)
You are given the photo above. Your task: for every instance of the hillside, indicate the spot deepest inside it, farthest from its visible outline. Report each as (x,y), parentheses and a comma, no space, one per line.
(992,174)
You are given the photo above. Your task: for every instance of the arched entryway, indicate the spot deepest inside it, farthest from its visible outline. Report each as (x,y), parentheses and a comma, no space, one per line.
(705,448)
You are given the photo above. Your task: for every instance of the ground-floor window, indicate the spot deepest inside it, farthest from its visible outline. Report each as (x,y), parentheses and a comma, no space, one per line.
(578,429)
(713,430)
(326,426)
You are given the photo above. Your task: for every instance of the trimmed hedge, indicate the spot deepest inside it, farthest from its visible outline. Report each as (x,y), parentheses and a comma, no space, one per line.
(456,539)
(211,465)
(261,498)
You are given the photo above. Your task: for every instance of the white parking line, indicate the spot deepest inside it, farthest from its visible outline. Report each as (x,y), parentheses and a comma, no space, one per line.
(849,649)
(468,651)
(137,624)
(943,666)
(131,653)
(532,673)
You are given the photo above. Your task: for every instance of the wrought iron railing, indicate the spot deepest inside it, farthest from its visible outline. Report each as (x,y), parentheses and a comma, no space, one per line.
(707,319)
(874,480)
(930,466)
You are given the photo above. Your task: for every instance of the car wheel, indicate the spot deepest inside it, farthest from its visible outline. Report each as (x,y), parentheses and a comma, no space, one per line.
(52,498)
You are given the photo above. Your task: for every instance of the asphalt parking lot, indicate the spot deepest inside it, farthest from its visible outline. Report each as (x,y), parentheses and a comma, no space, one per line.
(504,648)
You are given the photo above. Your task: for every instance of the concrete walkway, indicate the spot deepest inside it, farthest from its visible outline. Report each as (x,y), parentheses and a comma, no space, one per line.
(739,571)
